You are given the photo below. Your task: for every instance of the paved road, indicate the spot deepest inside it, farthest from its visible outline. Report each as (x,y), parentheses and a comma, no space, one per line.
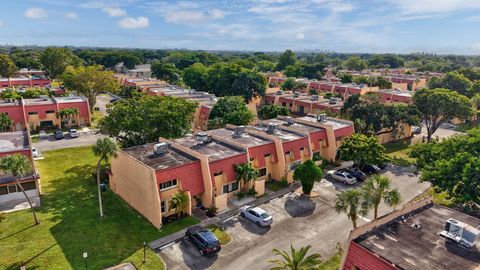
(297,221)
(444,131)
(50,143)
(102,101)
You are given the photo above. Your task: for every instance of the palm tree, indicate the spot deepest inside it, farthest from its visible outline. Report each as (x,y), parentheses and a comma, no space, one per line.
(351,203)
(377,189)
(246,173)
(67,115)
(18,165)
(297,260)
(104,148)
(5,122)
(179,202)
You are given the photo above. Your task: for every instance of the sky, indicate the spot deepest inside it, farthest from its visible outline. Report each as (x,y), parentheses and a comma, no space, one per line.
(355,26)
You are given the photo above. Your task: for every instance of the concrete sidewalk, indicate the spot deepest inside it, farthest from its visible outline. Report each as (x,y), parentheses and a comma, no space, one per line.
(171,239)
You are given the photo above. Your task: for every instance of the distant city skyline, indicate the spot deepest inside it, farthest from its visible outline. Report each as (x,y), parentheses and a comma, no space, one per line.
(355,26)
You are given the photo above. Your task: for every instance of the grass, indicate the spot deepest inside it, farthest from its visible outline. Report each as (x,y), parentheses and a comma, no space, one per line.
(221,235)
(333,263)
(398,152)
(440,197)
(96,117)
(70,223)
(275,185)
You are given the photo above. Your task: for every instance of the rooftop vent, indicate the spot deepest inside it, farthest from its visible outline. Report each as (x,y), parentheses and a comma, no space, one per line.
(271,128)
(296,94)
(238,131)
(321,117)
(212,96)
(279,92)
(332,100)
(289,121)
(203,138)
(191,92)
(361,85)
(160,149)
(314,98)
(461,233)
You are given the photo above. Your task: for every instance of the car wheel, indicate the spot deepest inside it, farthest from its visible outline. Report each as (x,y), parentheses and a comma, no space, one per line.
(258,223)
(242,214)
(345,182)
(329,177)
(187,238)
(201,252)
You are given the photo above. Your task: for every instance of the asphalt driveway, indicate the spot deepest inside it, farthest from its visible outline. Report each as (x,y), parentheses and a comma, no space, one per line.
(297,220)
(50,143)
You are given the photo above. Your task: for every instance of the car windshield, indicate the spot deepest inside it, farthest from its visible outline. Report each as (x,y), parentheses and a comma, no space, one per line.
(264,215)
(348,176)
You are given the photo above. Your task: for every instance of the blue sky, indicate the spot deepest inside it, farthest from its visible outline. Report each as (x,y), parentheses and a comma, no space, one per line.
(398,26)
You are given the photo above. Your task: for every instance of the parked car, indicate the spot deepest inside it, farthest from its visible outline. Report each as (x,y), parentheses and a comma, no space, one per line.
(73,133)
(341,176)
(58,134)
(359,175)
(369,169)
(256,215)
(204,240)
(416,130)
(35,152)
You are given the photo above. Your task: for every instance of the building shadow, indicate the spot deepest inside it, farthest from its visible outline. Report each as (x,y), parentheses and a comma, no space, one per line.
(192,257)
(252,227)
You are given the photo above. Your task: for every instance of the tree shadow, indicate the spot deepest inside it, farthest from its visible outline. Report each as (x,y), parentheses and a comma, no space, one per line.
(17,232)
(301,206)
(17,265)
(192,257)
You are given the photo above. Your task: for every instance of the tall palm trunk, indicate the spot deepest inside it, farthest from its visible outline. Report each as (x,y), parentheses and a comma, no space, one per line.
(354,221)
(375,211)
(28,199)
(98,188)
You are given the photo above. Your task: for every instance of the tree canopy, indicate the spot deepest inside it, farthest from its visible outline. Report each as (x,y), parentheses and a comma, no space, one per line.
(7,66)
(308,173)
(55,60)
(287,58)
(143,120)
(272,111)
(453,81)
(167,72)
(362,149)
(230,110)
(355,63)
(195,76)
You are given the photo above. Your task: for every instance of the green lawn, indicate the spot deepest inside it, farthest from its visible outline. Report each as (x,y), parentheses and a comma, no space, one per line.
(275,185)
(221,235)
(398,152)
(70,223)
(331,264)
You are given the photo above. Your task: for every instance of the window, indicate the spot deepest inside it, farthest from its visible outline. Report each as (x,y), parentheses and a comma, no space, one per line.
(12,188)
(3,190)
(288,153)
(50,112)
(230,187)
(29,185)
(284,104)
(267,155)
(163,206)
(251,159)
(302,148)
(32,113)
(262,172)
(218,173)
(168,184)
(295,164)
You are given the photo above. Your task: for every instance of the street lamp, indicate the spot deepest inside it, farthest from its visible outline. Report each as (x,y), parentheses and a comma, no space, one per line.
(85,256)
(144,252)
(22,267)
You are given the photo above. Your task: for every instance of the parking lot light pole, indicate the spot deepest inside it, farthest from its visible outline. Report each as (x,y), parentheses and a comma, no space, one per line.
(85,256)
(144,252)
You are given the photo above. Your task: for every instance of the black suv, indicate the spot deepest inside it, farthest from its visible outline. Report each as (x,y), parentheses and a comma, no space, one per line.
(359,175)
(204,240)
(58,134)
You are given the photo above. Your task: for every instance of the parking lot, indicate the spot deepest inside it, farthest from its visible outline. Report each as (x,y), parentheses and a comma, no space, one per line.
(84,139)
(296,220)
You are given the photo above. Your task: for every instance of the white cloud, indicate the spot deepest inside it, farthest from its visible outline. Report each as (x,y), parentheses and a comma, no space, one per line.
(35,13)
(434,6)
(216,14)
(71,15)
(114,11)
(134,23)
(192,16)
(300,36)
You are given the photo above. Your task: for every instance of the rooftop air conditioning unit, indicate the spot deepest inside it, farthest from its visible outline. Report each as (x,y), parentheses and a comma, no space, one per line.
(321,117)
(203,138)
(191,92)
(461,233)
(296,94)
(238,131)
(271,128)
(160,149)
(279,92)
(314,97)
(332,100)
(289,121)
(212,96)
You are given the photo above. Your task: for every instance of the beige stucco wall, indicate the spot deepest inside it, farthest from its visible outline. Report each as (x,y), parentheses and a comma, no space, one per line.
(260,187)
(401,86)
(135,183)
(221,202)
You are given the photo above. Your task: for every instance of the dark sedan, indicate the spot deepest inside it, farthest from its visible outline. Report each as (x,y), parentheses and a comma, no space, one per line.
(204,240)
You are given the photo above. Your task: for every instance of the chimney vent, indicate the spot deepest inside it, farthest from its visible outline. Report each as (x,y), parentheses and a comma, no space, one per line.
(238,131)
(321,117)
(314,98)
(203,138)
(160,149)
(271,128)
(289,121)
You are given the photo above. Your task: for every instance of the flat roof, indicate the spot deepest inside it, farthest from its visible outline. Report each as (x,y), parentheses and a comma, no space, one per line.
(395,92)
(145,154)
(13,141)
(330,121)
(4,102)
(245,139)
(70,99)
(408,248)
(284,135)
(213,150)
(38,101)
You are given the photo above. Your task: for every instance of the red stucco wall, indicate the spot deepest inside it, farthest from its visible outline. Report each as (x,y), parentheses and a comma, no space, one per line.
(364,259)
(189,175)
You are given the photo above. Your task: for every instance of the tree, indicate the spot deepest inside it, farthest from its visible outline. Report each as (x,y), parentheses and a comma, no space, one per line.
(10,93)
(166,71)
(55,60)
(474,89)
(179,202)
(355,63)
(231,110)
(67,115)
(345,78)
(249,84)
(5,122)
(286,59)
(272,111)
(351,203)
(34,92)
(453,81)
(130,91)
(7,66)
(143,120)
(26,59)
(19,165)
(105,149)
(378,188)
(308,173)
(296,260)
(89,81)
(439,106)
(246,174)
(264,66)
(194,76)
(390,61)
(362,149)
(288,84)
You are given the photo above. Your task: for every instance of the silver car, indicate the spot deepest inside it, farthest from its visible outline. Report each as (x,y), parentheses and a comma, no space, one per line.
(73,133)
(256,215)
(341,176)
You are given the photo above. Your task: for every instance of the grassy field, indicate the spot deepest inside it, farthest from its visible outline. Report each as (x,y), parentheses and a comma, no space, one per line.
(275,185)
(70,223)
(398,152)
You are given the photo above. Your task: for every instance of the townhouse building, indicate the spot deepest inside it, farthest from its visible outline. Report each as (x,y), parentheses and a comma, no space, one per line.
(25,81)
(41,112)
(203,164)
(302,104)
(395,95)
(17,142)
